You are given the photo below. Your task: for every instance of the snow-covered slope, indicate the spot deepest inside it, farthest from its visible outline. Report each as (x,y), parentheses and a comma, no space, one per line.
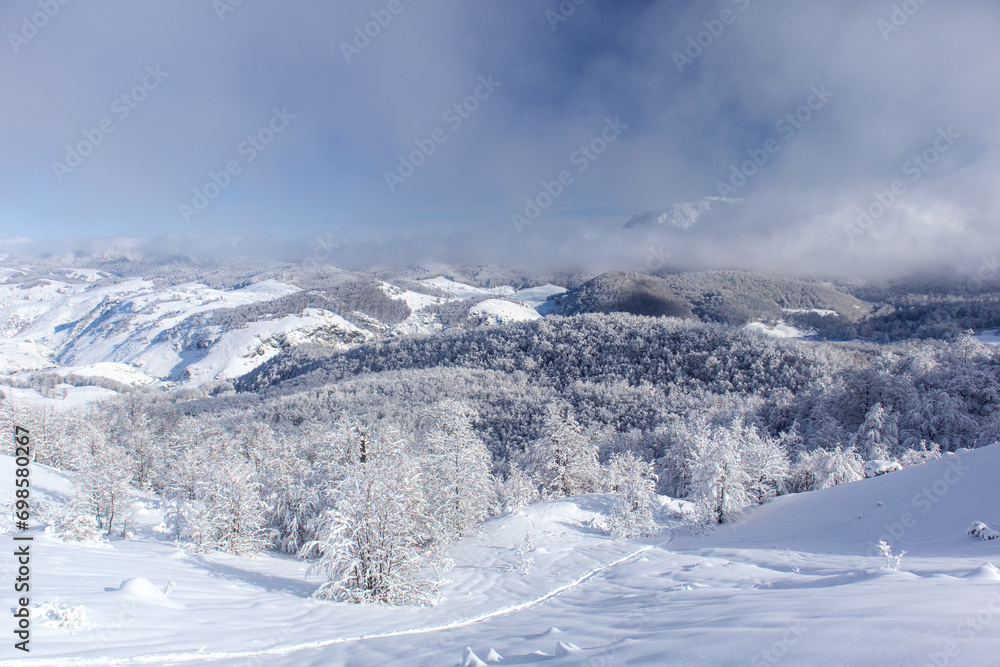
(137,332)
(787,585)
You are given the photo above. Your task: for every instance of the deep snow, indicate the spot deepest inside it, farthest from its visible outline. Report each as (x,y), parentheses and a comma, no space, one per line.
(797,581)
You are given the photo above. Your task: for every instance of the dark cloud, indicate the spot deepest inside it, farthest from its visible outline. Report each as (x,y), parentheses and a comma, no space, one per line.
(690,120)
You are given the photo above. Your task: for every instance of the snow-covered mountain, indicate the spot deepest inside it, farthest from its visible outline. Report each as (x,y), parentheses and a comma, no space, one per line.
(682,215)
(83,322)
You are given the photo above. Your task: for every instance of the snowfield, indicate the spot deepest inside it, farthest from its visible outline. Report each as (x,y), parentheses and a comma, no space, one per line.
(799,580)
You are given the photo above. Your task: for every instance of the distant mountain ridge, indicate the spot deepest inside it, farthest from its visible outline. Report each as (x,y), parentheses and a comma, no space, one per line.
(729,297)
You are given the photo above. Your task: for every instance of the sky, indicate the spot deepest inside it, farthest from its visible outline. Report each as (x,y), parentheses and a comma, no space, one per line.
(843,137)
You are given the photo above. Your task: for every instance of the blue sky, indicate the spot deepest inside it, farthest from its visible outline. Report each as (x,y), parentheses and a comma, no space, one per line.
(276,120)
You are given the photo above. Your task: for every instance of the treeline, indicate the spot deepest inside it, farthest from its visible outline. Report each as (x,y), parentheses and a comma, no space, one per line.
(560,351)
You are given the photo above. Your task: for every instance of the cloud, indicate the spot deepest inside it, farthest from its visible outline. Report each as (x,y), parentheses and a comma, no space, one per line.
(751,80)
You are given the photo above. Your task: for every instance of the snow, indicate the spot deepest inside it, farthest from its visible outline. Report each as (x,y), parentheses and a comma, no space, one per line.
(498,311)
(876,468)
(989,338)
(60,397)
(415,300)
(86,322)
(463,291)
(779,330)
(786,584)
(16,356)
(239,351)
(817,311)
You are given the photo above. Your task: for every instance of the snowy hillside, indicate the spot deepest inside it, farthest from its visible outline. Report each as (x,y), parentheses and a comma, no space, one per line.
(137,331)
(785,585)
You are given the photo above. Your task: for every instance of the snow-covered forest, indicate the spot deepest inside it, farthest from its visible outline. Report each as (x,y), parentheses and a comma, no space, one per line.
(371,427)
(370,462)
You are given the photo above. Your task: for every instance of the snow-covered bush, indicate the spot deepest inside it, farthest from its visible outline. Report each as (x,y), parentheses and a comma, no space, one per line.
(982,531)
(821,469)
(892,561)
(876,468)
(76,526)
(524,560)
(68,618)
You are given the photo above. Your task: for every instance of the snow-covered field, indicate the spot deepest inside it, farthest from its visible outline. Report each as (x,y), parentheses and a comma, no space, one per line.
(797,581)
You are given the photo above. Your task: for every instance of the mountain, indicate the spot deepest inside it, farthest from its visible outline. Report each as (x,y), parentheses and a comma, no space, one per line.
(730,297)
(683,215)
(194,323)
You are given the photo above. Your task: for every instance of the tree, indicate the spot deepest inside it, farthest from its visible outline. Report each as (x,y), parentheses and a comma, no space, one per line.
(376,542)
(457,476)
(225,512)
(516,490)
(634,482)
(878,436)
(719,483)
(821,469)
(105,471)
(563,462)
(765,461)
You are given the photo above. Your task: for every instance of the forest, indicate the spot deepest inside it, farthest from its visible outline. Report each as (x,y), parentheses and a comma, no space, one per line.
(371,461)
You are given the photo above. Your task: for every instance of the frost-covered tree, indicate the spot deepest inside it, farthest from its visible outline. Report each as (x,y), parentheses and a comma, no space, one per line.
(563,461)
(376,542)
(719,483)
(765,461)
(456,477)
(634,484)
(515,490)
(878,436)
(225,511)
(102,483)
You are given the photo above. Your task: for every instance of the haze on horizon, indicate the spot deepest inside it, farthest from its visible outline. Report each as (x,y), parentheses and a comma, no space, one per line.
(298,130)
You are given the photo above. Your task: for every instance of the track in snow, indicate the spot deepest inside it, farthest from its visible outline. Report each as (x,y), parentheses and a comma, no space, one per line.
(203,656)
